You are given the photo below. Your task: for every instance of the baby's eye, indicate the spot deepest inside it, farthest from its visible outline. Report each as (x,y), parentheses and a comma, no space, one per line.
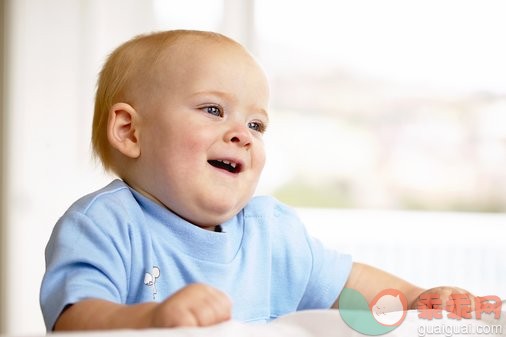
(213,110)
(257,126)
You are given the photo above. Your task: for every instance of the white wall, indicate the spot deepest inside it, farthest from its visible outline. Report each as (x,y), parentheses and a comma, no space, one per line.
(54,50)
(2,176)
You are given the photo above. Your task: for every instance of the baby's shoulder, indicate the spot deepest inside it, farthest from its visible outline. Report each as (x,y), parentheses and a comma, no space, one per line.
(105,213)
(267,206)
(280,223)
(273,213)
(115,197)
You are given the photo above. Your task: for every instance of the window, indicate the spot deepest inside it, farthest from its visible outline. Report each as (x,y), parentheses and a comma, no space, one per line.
(385,104)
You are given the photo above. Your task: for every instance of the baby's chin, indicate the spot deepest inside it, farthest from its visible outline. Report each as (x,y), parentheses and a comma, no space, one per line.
(210,218)
(211,222)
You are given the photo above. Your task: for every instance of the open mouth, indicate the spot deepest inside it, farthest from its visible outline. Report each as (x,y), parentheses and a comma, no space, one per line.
(226,165)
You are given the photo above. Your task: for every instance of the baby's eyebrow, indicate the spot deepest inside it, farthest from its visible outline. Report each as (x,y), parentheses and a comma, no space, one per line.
(265,114)
(213,93)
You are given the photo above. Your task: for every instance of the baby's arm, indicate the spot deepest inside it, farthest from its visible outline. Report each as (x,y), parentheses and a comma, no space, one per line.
(193,305)
(369,281)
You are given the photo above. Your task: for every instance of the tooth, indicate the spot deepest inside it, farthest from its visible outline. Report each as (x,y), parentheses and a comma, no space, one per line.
(226,162)
(233,165)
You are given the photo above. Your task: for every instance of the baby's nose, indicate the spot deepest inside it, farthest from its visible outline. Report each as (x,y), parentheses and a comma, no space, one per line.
(238,134)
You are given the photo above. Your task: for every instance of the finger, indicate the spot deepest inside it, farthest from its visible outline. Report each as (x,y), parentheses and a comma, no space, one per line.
(186,318)
(171,314)
(215,307)
(222,307)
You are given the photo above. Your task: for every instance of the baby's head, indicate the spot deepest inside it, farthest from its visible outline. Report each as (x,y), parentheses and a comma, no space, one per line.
(180,116)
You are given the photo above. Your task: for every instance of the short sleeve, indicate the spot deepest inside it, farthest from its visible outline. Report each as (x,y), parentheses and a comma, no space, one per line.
(307,274)
(83,260)
(329,273)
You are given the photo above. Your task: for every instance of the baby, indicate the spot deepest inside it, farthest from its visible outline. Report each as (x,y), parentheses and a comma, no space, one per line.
(180,240)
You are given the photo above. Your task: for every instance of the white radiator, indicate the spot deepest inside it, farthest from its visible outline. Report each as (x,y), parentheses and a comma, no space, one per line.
(467,250)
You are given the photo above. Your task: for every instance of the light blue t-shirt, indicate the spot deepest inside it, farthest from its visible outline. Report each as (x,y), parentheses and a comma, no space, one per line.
(120,246)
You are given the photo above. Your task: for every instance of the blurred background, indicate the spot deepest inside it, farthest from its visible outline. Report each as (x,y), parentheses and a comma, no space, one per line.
(388,126)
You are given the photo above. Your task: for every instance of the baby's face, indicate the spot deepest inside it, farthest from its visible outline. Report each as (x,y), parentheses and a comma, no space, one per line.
(201,135)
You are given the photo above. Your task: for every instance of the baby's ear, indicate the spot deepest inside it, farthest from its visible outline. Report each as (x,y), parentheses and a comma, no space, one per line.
(122,131)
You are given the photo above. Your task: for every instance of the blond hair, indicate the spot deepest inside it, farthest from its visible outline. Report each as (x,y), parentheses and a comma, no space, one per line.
(124,65)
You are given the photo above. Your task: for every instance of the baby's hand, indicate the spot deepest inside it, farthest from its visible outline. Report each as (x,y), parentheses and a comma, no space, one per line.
(450,299)
(193,305)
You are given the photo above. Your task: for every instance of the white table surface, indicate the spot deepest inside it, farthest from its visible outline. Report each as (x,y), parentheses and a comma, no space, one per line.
(312,323)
